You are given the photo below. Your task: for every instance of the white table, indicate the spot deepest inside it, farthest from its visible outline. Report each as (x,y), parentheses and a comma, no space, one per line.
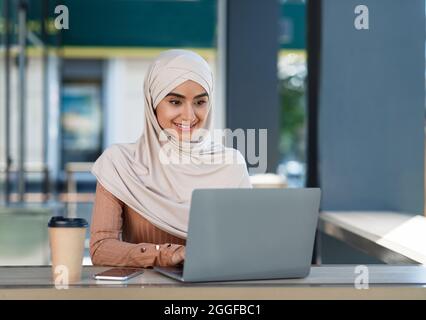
(324,282)
(392,237)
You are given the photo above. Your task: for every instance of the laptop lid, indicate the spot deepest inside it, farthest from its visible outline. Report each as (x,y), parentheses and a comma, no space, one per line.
(243,234)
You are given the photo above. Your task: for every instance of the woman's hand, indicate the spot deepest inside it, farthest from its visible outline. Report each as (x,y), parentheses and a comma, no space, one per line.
(178,256)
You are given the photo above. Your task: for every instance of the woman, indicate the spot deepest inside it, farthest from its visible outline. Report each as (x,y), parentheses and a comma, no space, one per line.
(143,192)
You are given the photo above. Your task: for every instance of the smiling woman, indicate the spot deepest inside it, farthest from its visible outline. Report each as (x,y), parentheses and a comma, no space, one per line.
(183,110)
(141,210)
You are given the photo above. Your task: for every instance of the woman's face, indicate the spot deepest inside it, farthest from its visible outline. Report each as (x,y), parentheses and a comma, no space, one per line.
(183,110)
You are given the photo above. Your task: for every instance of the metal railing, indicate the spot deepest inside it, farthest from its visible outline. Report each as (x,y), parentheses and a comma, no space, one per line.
(29,168)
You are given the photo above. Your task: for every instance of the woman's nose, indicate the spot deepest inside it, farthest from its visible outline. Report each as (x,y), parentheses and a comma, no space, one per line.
(188,112)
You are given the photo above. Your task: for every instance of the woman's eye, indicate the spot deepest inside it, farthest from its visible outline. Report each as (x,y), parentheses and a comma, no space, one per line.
(175,102)
(201,102)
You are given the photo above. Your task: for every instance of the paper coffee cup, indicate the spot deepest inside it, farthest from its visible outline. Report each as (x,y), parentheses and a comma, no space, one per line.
(66,238)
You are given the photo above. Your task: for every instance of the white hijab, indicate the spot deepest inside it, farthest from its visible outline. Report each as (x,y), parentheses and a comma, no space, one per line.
(157,174)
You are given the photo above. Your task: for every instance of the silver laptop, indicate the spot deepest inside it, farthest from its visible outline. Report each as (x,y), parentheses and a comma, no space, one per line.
(249,234)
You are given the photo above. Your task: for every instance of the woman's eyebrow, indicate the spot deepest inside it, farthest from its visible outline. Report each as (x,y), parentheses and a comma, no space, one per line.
(183,97)
(175,94)
(205,94)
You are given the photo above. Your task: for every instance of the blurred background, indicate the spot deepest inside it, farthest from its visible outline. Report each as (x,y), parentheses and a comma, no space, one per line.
(84,91)
(68,91)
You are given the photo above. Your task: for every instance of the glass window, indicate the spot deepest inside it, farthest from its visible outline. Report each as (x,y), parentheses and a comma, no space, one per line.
(292,72)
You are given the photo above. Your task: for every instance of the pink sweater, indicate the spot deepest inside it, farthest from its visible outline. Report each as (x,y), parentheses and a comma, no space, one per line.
(119,236)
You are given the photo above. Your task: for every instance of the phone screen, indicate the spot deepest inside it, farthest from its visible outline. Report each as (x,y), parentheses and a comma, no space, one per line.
(118,273)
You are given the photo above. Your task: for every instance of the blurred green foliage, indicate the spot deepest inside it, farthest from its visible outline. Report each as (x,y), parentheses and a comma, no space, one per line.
(293,116)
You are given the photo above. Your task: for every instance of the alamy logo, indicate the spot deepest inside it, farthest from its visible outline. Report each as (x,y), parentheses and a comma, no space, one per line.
(363,278)
(62,20)
(245,140)
(61,277)
(361,21)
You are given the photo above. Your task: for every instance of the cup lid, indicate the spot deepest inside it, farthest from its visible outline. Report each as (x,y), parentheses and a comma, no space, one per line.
(62,222)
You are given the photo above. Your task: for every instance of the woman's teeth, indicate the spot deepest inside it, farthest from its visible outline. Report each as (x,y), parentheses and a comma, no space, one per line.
(184,127)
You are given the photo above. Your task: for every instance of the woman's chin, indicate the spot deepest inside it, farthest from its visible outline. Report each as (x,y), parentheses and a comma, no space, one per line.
(185,135)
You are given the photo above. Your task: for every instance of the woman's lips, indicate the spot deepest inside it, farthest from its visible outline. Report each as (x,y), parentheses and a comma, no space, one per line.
(183,127)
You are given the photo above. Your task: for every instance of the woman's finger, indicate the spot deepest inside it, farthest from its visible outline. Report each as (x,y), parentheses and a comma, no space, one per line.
(178,256)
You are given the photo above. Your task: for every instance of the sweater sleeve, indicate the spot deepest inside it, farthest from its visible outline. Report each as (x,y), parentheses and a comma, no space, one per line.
(106,246)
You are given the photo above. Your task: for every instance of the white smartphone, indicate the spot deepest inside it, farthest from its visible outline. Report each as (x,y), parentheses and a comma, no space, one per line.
(118,274)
